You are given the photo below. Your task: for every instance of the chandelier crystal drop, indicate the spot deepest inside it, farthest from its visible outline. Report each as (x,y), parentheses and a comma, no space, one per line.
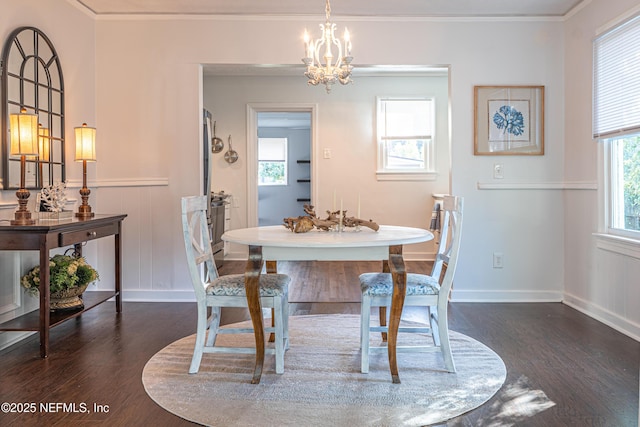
(334,68)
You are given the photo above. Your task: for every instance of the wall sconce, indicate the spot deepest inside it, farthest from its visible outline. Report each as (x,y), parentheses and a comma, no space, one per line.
(24,142)
(85,152)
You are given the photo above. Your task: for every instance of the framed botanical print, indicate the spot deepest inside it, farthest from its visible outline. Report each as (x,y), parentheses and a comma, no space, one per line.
(508,120)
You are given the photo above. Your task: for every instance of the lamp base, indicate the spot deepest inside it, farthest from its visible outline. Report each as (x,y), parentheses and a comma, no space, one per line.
(84,213)
(22,215)
(84,210)
(23,218)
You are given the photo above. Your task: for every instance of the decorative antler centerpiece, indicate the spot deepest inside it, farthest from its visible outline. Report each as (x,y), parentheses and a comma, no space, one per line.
(336,219)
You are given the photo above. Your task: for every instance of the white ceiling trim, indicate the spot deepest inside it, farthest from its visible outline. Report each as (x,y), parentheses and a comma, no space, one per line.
(348,10)
(301,18)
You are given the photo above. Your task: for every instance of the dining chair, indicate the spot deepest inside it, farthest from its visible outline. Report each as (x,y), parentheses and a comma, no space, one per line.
(214,292)
(430,291)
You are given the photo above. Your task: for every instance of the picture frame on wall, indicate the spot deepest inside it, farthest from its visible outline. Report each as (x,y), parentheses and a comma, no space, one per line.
(508,120)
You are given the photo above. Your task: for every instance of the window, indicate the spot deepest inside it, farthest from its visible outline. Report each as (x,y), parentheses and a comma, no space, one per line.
(624,154)
(272,161)
(616,123)
(405,136)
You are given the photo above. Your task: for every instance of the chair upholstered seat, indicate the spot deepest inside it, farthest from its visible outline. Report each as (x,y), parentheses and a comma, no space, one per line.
(232,285)
(381,284)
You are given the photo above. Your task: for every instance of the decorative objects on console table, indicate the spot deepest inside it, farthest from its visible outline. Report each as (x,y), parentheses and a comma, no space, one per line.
(24,142)
(330,72)
(52,200)
(85,152)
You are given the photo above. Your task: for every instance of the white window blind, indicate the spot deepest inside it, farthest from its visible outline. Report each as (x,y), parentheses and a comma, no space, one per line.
(616,93)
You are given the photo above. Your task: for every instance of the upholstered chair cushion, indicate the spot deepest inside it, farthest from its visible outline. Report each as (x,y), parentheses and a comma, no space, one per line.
(233,285)
(380,284)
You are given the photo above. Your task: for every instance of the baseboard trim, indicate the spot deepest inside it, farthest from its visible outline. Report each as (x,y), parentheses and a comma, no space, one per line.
(9,339)
(613,320)
(505,296)
(154,295)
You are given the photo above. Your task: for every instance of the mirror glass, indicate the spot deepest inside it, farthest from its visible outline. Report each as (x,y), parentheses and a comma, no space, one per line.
(32,79)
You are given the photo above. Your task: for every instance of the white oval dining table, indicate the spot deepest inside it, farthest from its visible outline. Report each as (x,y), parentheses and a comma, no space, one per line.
(277,243)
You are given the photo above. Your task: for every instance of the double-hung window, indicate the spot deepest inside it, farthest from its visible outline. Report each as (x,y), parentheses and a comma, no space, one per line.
(272,161)
(616,123)
(406,138)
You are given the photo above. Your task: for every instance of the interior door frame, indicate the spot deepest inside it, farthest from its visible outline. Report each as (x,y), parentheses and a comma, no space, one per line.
(252,151)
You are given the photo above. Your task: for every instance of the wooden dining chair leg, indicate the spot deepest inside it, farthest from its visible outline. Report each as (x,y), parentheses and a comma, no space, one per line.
(201,332)
(272,268)
(279,339)
(365,318)
(383,320)
(214,325)
(433,324)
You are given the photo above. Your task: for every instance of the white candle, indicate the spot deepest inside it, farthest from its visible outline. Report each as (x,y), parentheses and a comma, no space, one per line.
(340,214)
(359,206)
(306,44)
(347,42)
(334,201)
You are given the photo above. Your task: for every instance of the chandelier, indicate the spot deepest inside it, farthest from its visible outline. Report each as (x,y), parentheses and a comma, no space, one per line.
(332,70)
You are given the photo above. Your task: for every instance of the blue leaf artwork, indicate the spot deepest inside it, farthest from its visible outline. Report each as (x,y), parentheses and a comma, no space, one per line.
(509,120)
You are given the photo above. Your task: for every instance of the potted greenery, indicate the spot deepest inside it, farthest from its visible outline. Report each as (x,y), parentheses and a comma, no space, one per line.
(68,278)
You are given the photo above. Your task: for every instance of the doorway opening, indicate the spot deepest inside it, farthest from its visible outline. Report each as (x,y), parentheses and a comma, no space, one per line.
(280,162)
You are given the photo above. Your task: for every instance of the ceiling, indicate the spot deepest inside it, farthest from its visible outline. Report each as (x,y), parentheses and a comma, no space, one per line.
(348,8)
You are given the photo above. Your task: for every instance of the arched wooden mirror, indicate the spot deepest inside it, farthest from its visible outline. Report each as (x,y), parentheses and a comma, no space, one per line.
(32,79)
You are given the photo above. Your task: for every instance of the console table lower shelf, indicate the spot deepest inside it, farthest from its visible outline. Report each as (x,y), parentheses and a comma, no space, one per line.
(31,320)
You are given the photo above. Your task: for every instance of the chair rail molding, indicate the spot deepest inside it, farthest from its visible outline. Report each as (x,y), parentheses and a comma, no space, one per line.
(121,182)
(538,185)
(8,205)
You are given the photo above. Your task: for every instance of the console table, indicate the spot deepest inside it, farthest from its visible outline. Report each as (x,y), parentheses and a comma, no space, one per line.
(45,235)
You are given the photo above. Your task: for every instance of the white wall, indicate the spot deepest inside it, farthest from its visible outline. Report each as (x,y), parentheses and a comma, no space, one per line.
(601,275)
(149,98)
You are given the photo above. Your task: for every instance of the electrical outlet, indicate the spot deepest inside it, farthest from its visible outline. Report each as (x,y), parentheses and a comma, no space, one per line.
(327,153)
(498,172)
(498,260)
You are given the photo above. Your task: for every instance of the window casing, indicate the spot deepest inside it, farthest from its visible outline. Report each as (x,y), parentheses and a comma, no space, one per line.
(616,124)
(272,161)
(405,136)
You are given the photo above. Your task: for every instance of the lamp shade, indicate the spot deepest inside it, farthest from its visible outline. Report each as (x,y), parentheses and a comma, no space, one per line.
(24,133)
(85,143)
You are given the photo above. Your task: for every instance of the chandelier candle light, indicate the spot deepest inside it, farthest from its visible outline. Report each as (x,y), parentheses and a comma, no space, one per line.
(331,71)
(85,152)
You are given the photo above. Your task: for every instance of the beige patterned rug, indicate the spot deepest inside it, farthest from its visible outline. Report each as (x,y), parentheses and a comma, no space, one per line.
(322,384)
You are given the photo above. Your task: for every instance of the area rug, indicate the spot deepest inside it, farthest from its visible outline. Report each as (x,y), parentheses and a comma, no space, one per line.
(322,384)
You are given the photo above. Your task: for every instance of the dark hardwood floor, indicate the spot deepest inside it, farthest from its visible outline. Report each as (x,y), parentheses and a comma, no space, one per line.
(563,368)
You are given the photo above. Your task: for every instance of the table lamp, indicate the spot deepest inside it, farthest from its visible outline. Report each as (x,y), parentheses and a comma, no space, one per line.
(24,142)
(85,152)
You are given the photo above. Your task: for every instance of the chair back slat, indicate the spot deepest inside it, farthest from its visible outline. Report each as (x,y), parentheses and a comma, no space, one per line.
(197,241)
(450,237)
